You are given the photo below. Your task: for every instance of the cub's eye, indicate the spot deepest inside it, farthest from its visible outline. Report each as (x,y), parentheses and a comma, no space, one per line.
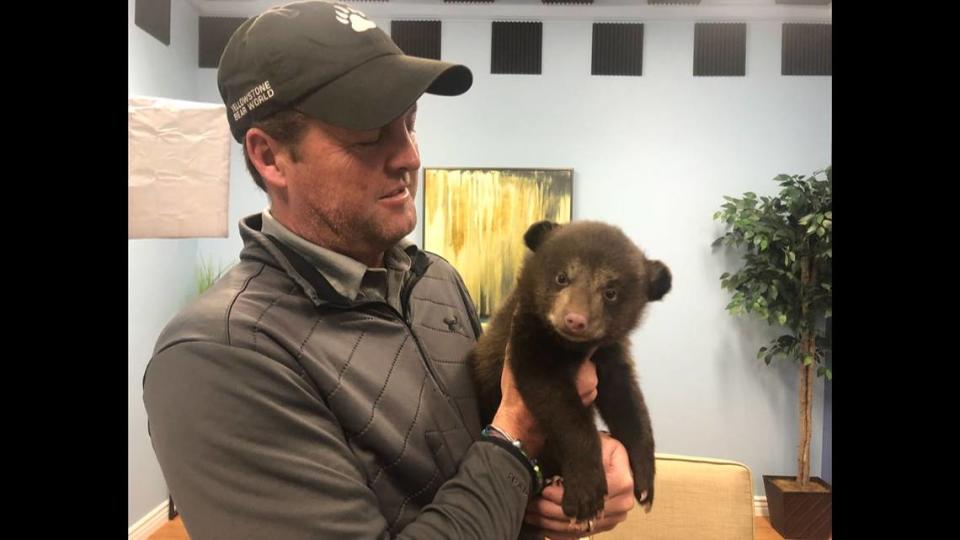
(610,294)
(562,278)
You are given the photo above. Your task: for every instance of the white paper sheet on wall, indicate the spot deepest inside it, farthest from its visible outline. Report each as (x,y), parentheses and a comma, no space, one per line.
(178,168)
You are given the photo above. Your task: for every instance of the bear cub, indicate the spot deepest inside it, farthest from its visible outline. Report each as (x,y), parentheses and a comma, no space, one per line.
(584,286)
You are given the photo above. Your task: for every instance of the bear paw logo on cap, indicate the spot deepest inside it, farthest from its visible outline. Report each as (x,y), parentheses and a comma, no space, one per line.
(356,19)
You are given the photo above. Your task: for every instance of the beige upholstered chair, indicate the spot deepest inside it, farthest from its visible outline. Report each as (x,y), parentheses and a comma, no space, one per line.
(696,498)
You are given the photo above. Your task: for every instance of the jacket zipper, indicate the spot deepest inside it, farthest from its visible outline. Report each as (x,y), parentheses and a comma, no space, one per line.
(404,300)
(405,304)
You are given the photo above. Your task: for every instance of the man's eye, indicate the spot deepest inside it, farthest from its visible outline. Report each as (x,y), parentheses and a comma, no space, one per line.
(370,141)
(368,138)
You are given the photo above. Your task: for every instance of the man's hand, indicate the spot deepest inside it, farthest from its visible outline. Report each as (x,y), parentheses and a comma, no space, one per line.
(515,418)
(545,511)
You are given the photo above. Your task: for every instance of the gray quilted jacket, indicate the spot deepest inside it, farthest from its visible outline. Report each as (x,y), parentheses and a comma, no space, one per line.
(279,410)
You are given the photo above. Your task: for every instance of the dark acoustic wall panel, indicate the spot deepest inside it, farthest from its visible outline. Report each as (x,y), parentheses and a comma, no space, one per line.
(215,32)
(153,16)
(417,38)
(807,49)
(719,49)
(516,47)
(617,49)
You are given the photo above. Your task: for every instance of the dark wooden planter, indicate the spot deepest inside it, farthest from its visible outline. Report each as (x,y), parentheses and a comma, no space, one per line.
(803,515)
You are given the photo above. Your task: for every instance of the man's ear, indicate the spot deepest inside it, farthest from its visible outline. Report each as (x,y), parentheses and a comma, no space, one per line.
(266,155)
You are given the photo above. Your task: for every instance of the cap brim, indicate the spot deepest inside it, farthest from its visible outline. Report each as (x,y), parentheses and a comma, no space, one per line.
(375,93)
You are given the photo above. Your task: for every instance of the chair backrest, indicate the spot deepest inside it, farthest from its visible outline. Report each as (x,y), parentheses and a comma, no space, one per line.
(695,498)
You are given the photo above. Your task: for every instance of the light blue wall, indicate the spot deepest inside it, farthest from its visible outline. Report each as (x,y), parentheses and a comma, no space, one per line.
(160,272)
(653,154)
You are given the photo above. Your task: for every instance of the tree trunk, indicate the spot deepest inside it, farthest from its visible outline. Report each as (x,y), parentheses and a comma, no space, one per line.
(808,348)
(806,405)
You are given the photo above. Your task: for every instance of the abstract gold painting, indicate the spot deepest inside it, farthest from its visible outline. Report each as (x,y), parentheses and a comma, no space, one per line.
(475,218)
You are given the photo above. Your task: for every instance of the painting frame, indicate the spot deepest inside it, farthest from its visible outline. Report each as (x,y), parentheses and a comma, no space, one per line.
(475,217)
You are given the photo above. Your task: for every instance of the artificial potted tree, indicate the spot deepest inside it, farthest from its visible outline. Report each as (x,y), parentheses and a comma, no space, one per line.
(207,275)
(786,280)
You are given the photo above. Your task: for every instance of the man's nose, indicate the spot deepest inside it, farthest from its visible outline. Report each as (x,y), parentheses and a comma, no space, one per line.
(404,152)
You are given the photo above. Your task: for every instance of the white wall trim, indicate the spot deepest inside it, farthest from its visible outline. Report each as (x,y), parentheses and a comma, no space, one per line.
(760,506)
(150,523)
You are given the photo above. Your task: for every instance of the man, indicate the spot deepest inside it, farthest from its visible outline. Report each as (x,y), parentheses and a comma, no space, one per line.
(318,389)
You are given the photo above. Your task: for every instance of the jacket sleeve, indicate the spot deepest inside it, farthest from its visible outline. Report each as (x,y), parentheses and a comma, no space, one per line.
(249,450)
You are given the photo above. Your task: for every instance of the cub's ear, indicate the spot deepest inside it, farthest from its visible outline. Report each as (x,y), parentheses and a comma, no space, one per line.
(660,280)
(537,233)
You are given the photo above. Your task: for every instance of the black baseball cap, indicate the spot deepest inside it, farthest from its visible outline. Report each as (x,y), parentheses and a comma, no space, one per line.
(329,61)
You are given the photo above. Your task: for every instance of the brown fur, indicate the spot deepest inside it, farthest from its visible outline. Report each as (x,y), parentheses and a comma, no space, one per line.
(594,259)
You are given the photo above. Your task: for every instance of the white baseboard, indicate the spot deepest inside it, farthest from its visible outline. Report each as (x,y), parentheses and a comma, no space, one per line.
(760,506)
(148,524)
(156,518)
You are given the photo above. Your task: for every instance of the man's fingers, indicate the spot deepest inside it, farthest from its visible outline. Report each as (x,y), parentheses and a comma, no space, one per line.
(557,529)
(551,507)
(553,493)
(587,382)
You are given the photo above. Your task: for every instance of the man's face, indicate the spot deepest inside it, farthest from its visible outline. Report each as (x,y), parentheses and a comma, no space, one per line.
(353,190)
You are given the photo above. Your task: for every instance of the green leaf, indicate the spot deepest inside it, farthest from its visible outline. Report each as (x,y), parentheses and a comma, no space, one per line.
(807,360)
(717,242)
(829,374)
(793,257)
(725,275)
(762,350)
(827,224)
(782,319)
(821,231)
(829,215)
(812,229)
(806,219)
(825,286)
(764,244)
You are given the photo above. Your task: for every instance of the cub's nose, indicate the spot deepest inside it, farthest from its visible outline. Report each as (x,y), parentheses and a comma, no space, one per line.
(576,323)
